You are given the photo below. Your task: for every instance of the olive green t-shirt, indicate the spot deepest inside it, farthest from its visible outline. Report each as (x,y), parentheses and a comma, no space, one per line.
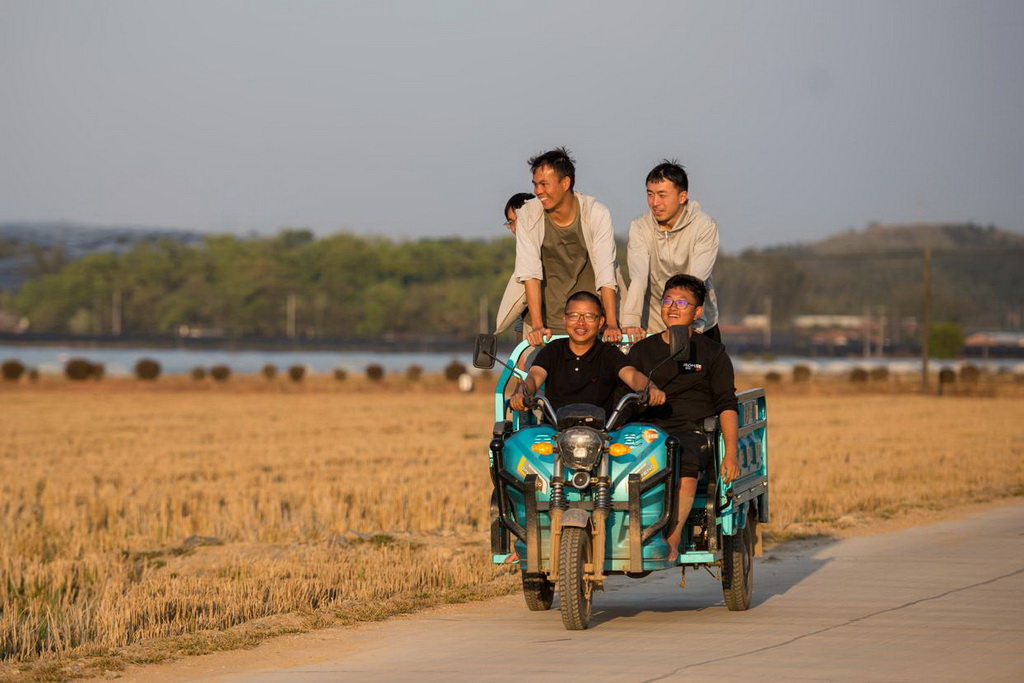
(567,269)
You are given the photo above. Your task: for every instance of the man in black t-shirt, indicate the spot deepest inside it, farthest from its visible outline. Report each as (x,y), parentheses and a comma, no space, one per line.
(696,387)
(582,369)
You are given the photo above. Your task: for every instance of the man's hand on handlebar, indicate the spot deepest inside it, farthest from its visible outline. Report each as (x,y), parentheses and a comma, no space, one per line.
(651,396)
(634,334)
(538,336)
(520,400)
(612,334)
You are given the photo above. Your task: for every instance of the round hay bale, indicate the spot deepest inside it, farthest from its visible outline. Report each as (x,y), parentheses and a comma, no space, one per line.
(12,370)
(414,373)
(340,374)
(801,373)
(947,376)
(78,369)
(297,372)
(374,372)
(970,374)
(269,371)
(859,375)
(147,369)
(879,374)
(220,372)
(98,371)
(773,377)
(454,370)
(198,373)
(33,374)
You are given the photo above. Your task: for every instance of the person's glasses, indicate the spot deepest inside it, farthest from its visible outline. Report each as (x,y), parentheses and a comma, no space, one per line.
(589,317)
(508,224)
(683,304)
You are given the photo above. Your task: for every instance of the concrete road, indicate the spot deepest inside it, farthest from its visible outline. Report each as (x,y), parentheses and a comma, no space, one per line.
(939,603)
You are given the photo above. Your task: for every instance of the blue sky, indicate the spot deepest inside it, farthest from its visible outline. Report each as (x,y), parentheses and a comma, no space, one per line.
(795,120)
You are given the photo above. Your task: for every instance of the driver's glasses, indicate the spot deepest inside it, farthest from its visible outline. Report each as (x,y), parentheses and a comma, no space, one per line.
(683,304)
(589,317)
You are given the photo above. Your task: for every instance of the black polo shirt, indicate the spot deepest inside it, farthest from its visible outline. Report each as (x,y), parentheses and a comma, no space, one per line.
(697,387)
(591,378)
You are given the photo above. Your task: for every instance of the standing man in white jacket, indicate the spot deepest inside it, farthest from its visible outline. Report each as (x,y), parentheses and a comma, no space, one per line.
(565,243)
(674,237)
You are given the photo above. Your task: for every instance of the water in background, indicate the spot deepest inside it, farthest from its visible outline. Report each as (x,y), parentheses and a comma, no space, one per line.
(121,362)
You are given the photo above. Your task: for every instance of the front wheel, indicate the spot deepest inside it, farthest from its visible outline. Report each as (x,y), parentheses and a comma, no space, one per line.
(738,567)
(574,589)
(538,591)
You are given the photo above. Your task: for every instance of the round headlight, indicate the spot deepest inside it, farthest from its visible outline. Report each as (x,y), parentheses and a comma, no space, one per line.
(580,447)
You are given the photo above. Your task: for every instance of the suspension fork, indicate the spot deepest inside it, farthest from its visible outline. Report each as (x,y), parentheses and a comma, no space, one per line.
(557,508)
(602,508)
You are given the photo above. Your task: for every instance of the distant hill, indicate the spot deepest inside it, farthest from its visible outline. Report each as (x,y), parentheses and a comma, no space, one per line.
(977,275)
(917,236)
(28,249)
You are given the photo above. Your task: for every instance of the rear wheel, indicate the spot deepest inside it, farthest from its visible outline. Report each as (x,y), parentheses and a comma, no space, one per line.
(538,591)
(575,591)
(738,567)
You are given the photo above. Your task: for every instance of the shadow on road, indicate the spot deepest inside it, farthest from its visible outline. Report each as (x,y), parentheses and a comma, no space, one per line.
(781,568)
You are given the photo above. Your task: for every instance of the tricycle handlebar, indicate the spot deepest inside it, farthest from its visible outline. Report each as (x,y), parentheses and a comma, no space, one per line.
(636,396)
(542,402)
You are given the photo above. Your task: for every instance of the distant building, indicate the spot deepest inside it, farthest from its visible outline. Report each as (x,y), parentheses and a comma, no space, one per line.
(755,322)
(805,322)
(1000,339)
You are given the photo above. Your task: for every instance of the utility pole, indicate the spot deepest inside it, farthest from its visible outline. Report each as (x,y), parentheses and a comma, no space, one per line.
(483,314)
(927,318)
(867,331)
(115,312)
(290,322)
(881,331)
(768,321)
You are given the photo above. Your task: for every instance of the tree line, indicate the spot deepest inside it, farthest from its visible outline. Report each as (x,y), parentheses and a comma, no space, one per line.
(338,286)
(344,286)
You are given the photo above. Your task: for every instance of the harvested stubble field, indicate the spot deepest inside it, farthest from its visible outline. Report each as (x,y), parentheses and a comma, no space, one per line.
(142,520)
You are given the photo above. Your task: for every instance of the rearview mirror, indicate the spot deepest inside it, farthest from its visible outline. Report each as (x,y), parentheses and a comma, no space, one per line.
(679,341)
(484,350)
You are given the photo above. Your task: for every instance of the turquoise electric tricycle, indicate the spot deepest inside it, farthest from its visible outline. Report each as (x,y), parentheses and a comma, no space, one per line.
(580,496)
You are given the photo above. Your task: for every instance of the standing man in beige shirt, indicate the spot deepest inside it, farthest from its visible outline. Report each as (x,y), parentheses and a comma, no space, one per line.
(673,238)
(565,244)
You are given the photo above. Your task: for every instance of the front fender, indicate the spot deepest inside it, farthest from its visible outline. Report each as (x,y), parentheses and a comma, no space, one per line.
(576,517)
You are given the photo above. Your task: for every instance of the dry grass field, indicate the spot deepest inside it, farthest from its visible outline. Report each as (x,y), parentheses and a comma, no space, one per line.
(139,521)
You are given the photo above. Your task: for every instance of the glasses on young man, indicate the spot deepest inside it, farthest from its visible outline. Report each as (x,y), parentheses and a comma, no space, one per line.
(683,304)
(589,317)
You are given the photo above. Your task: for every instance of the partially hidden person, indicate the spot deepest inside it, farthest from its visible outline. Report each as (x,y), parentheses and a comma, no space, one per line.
(512,309)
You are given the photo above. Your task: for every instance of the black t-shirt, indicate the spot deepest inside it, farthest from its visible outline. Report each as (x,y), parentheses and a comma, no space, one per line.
(591,378)
(697,387)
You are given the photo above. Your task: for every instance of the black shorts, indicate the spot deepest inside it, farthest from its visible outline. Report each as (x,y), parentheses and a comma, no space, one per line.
(695,453)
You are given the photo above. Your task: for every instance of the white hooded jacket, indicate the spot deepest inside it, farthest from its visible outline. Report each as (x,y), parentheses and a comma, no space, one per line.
(654,255)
